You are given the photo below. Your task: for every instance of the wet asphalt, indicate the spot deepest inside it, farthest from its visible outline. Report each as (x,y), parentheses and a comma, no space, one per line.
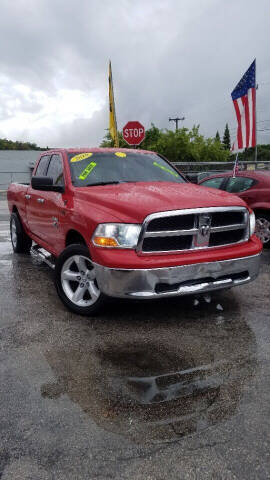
(172,389)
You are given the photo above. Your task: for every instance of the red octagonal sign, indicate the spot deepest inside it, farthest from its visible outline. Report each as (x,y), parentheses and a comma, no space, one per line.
(134,133)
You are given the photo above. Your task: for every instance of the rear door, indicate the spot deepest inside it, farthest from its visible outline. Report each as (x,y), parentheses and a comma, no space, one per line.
(35,201)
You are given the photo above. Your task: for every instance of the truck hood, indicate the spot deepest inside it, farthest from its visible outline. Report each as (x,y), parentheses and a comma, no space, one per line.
(132,202)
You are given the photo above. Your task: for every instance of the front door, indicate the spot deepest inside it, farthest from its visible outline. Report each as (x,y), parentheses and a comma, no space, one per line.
(54,204)
(35,210)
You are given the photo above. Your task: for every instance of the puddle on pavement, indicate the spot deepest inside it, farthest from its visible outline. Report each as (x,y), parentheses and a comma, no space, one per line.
(161,384)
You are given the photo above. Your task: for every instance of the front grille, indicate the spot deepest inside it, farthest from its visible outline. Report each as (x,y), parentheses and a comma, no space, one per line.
(227,218)
(176,222)
(184,230)
(225,238)
(167,243)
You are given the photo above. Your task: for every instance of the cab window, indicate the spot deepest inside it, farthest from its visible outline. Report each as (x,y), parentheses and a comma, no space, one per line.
(213,182)
(42,166)
(55,170)
(239,184)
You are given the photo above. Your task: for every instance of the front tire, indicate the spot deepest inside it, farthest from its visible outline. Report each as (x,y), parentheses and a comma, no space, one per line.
(75,281)
(263,228)
(20,241)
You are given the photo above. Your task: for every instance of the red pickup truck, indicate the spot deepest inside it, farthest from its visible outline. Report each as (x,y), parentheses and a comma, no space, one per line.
(125,223)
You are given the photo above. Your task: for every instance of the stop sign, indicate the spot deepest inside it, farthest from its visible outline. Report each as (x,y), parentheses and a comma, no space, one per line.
(134,133)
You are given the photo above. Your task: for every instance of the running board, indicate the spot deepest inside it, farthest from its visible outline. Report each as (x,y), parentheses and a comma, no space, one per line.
(43,255)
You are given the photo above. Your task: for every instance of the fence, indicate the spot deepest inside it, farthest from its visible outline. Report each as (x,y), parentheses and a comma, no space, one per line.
(196,171)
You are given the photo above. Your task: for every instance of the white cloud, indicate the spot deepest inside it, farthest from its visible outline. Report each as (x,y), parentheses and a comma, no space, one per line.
(36,110)
(169,58)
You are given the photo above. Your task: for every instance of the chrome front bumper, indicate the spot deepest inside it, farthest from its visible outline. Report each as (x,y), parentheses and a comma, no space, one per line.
(174,281)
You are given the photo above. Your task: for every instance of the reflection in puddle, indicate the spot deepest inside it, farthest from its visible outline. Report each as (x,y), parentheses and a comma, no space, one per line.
(167,387)
(174,380)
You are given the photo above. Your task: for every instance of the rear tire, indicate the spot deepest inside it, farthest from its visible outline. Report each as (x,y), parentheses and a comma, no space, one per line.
(21,242)
(76,283)
(263,228)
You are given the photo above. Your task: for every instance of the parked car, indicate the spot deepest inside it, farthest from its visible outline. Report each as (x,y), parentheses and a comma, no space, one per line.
(254,188)
(125,223)
(197,177)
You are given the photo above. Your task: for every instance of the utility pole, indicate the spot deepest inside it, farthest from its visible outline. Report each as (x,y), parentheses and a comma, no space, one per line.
(176,120)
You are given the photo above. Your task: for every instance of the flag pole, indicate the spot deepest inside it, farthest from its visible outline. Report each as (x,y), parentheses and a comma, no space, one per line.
(112,113)
(256,88)
(235,165)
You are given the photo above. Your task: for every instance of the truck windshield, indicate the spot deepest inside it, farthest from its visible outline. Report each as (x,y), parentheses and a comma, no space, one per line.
(101,168)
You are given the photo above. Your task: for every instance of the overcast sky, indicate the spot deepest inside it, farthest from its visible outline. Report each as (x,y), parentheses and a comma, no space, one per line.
(169,58)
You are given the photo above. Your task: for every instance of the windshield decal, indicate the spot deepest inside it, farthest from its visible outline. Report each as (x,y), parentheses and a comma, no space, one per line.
(80,157)
(166,169)
(87,171)
(120,154)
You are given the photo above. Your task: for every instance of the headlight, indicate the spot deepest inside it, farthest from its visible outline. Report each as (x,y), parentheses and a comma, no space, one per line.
(252,223)
(116,235)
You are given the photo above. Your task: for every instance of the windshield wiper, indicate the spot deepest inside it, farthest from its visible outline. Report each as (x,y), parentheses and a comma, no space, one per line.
(108,183)
(101,183)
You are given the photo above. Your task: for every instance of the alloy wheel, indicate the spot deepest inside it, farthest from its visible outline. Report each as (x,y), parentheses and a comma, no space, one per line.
(78,278)
(13,232)
(263,229)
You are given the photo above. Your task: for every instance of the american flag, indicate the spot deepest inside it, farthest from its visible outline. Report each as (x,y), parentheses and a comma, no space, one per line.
(244,100)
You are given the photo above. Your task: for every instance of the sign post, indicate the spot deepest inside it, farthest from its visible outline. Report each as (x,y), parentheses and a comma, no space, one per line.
(134,133)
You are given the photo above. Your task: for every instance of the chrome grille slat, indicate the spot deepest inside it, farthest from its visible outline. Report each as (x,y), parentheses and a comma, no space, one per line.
(201,235)
(171,233)
(226,228)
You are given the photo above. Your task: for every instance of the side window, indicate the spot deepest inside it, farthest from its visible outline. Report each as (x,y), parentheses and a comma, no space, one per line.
(55,170)
(239,184)
(213,182)
(42,166)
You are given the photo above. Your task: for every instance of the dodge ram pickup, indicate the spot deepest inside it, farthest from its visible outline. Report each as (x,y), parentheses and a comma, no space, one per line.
(125,223)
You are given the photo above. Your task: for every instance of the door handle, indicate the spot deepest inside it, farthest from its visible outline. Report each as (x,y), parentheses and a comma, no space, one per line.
(40,200)
(27,197)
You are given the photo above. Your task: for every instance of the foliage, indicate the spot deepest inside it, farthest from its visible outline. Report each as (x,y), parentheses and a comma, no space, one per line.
(10,145)
(217,137)
(227,138)
(248,155)
(182,145)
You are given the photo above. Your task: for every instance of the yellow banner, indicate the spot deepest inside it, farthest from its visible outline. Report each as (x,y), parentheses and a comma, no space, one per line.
(112,114)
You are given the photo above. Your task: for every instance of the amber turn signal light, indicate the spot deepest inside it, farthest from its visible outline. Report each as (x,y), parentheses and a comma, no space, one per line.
(105,242)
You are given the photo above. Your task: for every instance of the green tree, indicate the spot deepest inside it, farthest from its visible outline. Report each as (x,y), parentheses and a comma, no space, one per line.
(183,145)
(10,145)
(108,142)
(217,137)
(248,155)
(227,138)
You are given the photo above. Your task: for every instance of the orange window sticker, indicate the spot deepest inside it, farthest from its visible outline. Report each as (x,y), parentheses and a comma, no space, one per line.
(120,154)
(80,157)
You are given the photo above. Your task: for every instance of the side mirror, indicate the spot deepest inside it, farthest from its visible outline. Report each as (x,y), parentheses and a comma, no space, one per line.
(46,183)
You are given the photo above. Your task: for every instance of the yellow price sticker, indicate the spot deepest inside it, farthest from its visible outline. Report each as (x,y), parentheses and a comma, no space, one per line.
(87,171)
(120,154)
(80,157)
(165,169)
